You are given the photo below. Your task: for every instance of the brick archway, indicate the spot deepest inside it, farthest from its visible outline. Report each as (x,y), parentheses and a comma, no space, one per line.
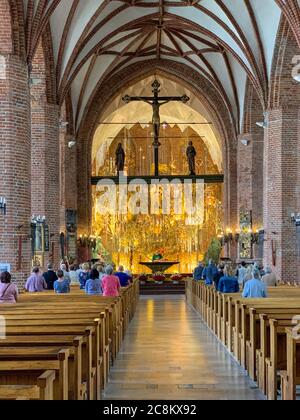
(109,89)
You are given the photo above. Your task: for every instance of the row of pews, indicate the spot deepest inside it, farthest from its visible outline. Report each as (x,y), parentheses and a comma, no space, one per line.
(61,347)
(262,334)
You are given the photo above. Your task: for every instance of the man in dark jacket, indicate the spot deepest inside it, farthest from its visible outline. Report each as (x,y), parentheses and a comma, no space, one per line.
(198,271)
(219,275)
(50,277)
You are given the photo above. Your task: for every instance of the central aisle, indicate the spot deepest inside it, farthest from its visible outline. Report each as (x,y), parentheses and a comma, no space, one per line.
(169,353)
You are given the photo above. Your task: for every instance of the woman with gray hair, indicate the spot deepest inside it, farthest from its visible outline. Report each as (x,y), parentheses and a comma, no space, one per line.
(269,279)
(255,288)
(110,283)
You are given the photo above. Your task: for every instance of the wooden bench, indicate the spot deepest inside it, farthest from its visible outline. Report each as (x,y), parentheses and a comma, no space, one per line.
(252,329)
(21,371)
(290,377)
(43,390)
(94,362)
(42,327)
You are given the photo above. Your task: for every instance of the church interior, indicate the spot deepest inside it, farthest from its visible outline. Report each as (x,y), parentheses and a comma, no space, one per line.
(156,139)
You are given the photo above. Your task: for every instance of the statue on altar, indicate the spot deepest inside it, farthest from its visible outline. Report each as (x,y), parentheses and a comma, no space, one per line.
(120,158)
(191,155)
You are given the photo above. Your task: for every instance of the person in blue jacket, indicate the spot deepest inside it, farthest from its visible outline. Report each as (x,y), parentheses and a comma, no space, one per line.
(229,283)
(209,273)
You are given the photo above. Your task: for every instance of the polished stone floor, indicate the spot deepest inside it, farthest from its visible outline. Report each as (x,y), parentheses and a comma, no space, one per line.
(169,354)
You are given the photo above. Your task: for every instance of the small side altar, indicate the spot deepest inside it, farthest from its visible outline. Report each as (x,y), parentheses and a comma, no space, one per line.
(159,266)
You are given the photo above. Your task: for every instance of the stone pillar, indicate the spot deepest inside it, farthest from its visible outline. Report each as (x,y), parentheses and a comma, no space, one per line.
(15,149)
(281,191)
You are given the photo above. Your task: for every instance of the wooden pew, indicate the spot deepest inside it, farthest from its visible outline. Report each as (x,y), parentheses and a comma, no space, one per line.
(243,326)
(43,320)
(266,341)
(91,363)
(19,370)
(43,390)
(290,377)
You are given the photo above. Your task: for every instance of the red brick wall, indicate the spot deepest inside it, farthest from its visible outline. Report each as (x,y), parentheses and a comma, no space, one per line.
(15,150)
(282,161)
(45,155)
(6,44)
(250,161)
(68,171)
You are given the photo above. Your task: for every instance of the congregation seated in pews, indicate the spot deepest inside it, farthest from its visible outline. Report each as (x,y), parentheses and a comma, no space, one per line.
(262,334)
(229,279)
(61,345)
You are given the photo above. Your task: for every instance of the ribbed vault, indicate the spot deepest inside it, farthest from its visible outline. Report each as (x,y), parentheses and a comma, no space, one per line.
(226,41)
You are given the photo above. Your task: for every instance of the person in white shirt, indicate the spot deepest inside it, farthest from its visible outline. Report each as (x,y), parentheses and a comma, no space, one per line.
(249,273)
(242,271)
(269,279)
(255,288)
(63,268)
(74,276)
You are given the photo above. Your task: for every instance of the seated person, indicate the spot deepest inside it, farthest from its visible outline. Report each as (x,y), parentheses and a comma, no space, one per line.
(94,285)
(50,276)
(8,290)
(74,276)
(123,277)
(228,283)
(62,285)
(84,275)
(65,270)
(110,284)
(36,282)
(219,275)
(198,271)
(242,272)
(209,273)
(255,288)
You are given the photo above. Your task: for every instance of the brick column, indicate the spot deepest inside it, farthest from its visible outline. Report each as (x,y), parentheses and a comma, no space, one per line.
(250,177)
(281,191)
(45,168)
(15,151)
(230,198)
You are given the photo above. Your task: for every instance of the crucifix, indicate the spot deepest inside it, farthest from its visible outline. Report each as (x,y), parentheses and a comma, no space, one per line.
(156,102)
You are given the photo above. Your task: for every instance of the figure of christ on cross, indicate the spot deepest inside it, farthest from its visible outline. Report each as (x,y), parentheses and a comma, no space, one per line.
(156,102)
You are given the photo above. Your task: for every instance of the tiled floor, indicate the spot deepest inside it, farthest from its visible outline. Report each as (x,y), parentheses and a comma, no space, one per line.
(169,353)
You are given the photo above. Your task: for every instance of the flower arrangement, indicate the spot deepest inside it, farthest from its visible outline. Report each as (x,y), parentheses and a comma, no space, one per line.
(143,278)
(176,277)
(159,277)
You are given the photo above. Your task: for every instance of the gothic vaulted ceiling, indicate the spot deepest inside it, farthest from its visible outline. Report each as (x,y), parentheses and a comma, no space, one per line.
(225,40)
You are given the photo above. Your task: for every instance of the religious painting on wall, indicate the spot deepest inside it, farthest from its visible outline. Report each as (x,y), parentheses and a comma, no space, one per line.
(245,242)
(40,242)
(71,237)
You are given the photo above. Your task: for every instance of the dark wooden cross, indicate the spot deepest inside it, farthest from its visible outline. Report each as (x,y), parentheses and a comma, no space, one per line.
(156,102)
